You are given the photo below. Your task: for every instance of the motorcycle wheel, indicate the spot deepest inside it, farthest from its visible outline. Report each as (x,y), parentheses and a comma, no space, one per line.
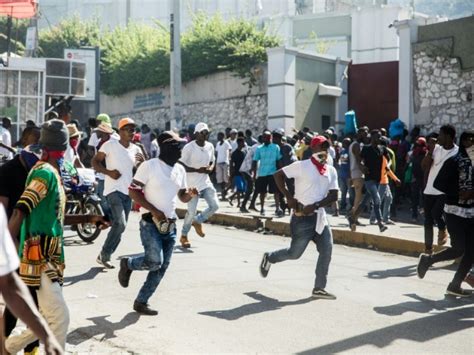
(89,232)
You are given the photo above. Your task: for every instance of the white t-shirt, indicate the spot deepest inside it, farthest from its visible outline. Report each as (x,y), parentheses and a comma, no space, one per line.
(162,183)
(310,185)
(117,157)
(233,144)
(94,142)
(6,138)
(223,152)
(9,260)
(195,156)
(440,155)
(246,166)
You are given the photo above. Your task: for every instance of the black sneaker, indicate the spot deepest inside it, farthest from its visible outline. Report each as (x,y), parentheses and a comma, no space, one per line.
(457,291)
(262,212)
(279,213)
(352,224)
(382,227)
(323,294)
(244,210)
(144,308)
(424,264)
(265,265)
(105,263)
(124,273)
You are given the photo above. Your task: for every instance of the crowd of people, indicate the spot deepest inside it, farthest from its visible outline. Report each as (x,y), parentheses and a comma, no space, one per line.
(306,172)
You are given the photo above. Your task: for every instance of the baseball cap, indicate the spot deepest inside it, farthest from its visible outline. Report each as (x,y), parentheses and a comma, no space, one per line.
(103,117)
(168,137)
(233,130)
(201,126)
(421,141)
(125,121)
(279,132)
(318,140)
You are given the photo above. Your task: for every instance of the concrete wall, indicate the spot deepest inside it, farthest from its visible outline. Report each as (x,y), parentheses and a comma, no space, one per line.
(310,107)
(222,100)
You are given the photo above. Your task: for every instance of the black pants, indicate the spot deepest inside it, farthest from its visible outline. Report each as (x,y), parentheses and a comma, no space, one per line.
(10,321)
(290,185)
(462,243)
(416,196)
(433,206)
(248,191)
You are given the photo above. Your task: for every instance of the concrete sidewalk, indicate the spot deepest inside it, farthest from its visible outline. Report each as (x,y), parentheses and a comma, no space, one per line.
(402,238)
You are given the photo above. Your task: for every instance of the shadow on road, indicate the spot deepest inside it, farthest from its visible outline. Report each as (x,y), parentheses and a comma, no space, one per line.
(423,305)
(101,326)
(74,241)
(405,271)
(418,330)
(88,275)
(264,304)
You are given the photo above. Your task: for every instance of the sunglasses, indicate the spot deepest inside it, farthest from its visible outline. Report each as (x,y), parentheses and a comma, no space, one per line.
(128,129)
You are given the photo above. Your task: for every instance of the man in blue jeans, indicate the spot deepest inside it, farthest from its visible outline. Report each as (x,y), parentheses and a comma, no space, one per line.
(315,188)
(198,160)
(155,186)
(372,159)
(121,158)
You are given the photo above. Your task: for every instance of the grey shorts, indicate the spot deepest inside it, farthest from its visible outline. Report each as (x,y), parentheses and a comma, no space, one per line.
(222,173)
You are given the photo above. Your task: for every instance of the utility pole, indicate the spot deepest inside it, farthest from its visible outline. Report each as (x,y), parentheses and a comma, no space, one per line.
(175,65)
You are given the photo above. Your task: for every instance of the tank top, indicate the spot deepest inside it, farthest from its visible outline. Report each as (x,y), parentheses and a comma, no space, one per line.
(355,170)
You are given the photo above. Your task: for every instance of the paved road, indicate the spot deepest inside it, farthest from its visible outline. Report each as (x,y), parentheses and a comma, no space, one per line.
(213,300)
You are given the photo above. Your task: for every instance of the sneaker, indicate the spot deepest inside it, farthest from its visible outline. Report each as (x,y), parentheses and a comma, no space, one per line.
(124,273)
(442,237)
(144,308)
(279,213)
(373,222)
(244,210)
(184,241)
(424,264)
(382,227)
(358,224)
(105,263)
(265,265)
(457,291)
(323,294)
(469,280)
(198,228)
(253,208)
(262,212)
(390,222)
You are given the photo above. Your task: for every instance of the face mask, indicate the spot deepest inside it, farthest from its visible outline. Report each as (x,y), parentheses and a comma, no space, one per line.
(321,157)
(470,153)
(74,142)
(170,153)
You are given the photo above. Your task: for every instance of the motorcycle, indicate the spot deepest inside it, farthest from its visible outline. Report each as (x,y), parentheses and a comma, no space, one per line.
(81,199)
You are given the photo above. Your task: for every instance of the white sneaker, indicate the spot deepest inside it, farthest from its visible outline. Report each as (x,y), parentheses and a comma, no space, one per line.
(107,264)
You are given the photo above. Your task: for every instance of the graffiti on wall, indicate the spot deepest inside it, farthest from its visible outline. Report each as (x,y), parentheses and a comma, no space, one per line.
(148,100)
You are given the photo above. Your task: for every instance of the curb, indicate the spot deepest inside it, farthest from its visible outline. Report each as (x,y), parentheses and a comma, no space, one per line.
(340,236)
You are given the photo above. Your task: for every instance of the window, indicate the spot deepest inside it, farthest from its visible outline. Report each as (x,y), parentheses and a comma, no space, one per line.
(325,122)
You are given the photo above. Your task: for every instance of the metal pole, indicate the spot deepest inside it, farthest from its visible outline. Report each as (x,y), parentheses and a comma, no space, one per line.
(9,37)
(175,65)
(97,80)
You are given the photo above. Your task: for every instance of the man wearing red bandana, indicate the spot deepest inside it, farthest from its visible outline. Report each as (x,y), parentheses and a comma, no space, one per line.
(315,188)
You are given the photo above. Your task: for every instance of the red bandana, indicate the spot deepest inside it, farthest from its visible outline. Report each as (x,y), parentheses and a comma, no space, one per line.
(322,168)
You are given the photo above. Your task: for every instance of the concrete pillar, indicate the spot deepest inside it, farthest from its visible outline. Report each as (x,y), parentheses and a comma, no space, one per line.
(281,88)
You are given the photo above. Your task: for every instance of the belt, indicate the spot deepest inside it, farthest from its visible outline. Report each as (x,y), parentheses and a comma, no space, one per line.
(298,212)
(164,227)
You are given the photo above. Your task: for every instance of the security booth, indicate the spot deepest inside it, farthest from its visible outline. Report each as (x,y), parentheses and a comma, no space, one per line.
(29,88)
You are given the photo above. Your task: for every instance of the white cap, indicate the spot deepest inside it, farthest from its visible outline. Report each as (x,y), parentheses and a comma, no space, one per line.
(233,130)
(201,126)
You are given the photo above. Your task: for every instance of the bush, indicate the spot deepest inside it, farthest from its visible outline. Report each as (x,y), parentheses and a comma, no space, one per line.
(137,56)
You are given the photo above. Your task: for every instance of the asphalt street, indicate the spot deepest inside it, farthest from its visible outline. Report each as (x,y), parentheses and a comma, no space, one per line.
(213,300)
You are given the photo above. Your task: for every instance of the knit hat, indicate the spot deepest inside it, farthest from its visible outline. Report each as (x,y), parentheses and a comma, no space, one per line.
(54,135)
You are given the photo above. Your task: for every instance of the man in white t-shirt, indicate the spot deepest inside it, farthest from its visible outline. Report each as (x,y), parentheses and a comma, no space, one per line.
(155,187)
(16,294)
(121,157)
(198,159)
(223,149)
(433,199)
(316,187)
(6,138)
(233,139)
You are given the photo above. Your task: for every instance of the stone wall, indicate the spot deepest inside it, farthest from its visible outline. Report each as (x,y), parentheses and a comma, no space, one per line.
(442,89)
(245,112)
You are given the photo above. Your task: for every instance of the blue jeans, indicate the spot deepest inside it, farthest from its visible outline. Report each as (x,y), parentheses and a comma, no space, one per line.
(302,232)
(345,186)
(386,199)
(103,200)
(210,195)
(156,259)
(372,188)
(120,205)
